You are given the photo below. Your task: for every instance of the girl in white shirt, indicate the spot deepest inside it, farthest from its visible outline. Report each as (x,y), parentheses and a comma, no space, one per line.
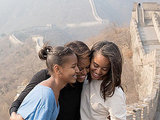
(102,96)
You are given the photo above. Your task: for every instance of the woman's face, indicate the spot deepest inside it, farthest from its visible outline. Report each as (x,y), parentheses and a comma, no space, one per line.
(83,65)
(99,66)
(69,69)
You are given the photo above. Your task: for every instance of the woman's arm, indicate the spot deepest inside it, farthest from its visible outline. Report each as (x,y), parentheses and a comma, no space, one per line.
(37,78)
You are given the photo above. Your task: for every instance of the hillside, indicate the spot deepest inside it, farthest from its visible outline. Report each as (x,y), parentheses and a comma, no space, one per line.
(18,64)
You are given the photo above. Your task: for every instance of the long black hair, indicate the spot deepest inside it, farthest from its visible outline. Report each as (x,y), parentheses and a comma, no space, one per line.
(113,77)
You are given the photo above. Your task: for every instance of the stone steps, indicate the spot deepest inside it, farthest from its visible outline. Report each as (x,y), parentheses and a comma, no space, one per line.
(150,42)
(147,33)
(149,48)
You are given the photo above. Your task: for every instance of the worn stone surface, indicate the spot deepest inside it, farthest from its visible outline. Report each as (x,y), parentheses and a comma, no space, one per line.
(145,36)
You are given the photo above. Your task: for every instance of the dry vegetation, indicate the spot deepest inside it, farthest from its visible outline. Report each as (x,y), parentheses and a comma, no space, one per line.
(18,64)
(121,37)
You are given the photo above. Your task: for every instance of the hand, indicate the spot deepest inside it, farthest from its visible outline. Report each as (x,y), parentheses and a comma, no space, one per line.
(15,116)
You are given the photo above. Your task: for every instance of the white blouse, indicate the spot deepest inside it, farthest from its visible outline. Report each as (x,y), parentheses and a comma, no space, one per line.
(93,106)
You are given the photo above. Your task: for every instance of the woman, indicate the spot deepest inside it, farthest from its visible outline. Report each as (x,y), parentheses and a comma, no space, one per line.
(42,102)
(103,97)
(70,95)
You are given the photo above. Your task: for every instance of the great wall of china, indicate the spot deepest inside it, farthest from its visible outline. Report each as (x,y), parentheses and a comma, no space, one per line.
(145,38)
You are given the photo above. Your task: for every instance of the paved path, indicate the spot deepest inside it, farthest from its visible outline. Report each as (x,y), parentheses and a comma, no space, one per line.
(149,38)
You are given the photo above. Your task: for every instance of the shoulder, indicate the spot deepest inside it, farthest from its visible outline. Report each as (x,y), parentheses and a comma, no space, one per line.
(45,96)
(47,92)
(48,95)
(119,92)
(37,100)
(118,95)
(32,100)
(41,93)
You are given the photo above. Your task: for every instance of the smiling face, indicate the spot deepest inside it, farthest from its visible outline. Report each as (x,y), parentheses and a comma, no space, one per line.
(69,69)
(82,51)
(99,66)
(83,66)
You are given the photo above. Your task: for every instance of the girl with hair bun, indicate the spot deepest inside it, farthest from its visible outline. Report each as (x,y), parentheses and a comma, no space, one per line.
(42,102)
(70,95)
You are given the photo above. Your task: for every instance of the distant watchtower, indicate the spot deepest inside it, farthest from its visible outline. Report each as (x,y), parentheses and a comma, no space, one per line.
(142,13)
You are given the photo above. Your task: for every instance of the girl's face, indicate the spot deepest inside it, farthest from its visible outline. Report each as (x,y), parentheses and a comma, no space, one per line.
(69,69)
(99,67)
(83,65)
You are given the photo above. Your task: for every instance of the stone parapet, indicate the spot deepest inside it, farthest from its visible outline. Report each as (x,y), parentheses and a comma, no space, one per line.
(146,109)
(146,68)
(137,39)
(156,24)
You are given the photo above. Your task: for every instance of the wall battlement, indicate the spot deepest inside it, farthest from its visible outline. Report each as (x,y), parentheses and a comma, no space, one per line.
(156,24)
(39,42)
(145,38)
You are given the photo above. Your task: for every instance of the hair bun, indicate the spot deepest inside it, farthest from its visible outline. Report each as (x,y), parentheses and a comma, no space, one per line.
(44,52)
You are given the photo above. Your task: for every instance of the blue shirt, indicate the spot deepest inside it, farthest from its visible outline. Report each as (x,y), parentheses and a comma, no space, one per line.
(39,104)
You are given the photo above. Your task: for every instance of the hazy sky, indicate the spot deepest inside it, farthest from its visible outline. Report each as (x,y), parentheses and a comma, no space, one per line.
(24,13)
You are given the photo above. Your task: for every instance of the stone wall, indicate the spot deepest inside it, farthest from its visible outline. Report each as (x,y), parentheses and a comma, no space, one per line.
(39,42)
(156,24)
(14,40)
(146,75)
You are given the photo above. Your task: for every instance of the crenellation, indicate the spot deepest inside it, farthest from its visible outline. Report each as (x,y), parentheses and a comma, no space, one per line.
(156,24)
(158,61)
(149,104)
(39,41)
(137,113)
(152,6)
(144,112)
(15,40)
(146,59)
(129,117)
